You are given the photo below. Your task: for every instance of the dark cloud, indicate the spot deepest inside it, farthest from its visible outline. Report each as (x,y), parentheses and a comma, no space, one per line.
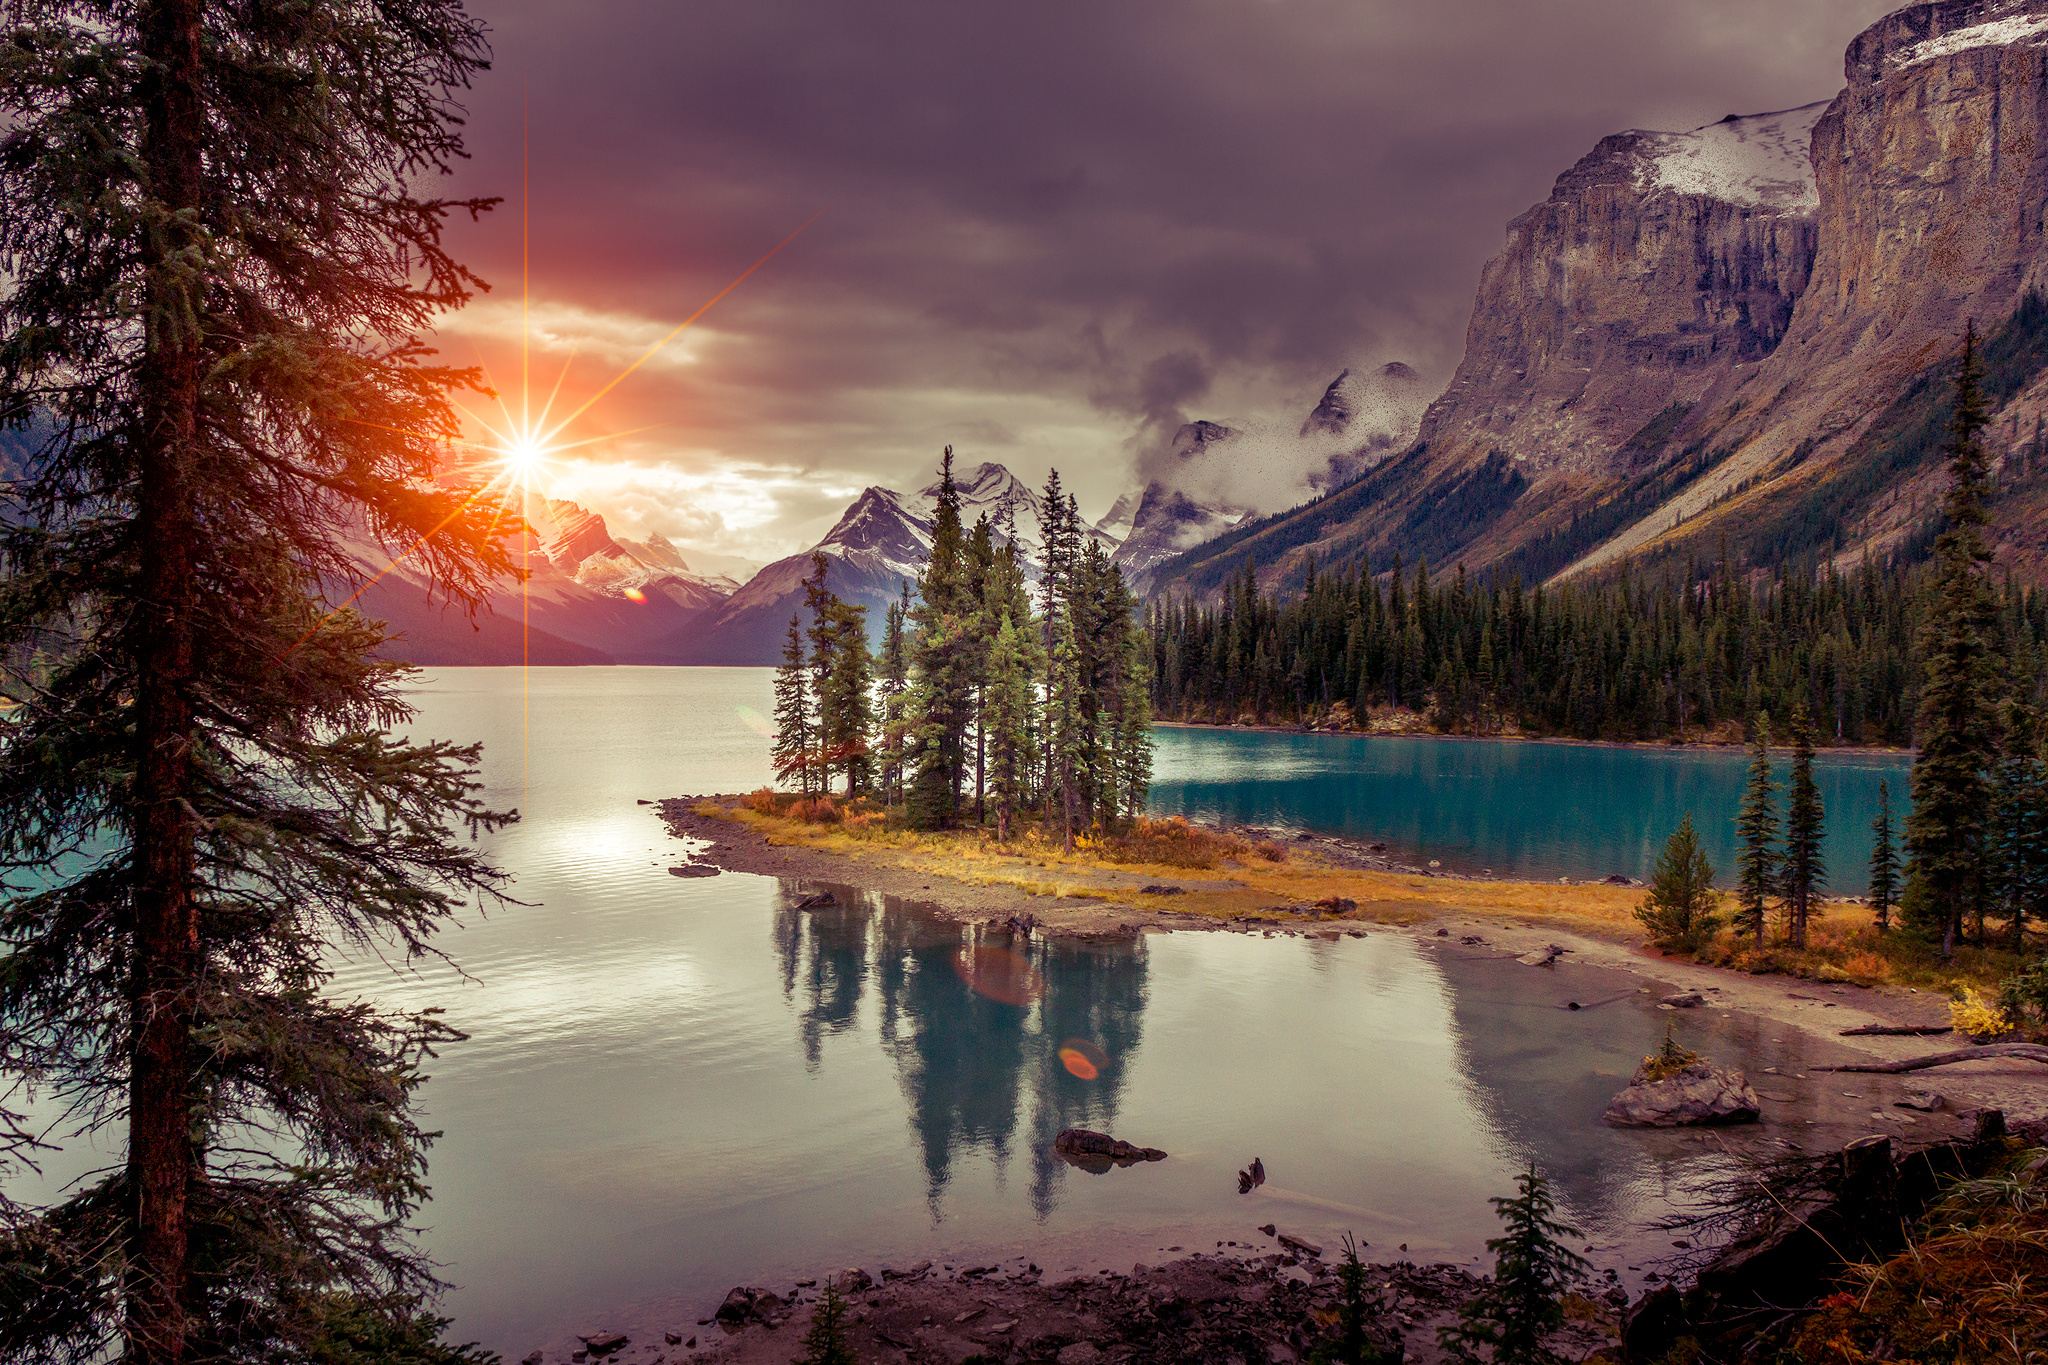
(1049,228)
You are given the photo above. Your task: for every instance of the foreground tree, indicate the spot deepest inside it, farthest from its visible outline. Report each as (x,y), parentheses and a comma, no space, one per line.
(1680,912)
(1957,731)
(1756,826)
(216,265)
(2018,837)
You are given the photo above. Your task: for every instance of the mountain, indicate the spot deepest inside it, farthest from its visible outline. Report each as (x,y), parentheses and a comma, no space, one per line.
(588,598)
(1212,473)
(1740,333)
(879,543)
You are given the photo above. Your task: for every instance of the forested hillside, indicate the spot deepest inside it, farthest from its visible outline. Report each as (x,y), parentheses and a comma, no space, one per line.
(1680,655)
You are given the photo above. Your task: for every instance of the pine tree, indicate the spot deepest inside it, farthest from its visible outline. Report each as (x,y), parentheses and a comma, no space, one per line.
(895,704)
(1884,862)
(1756,826)
(1007,722)
(842,669)
(794,751)
(1680,912)
(217,265)
(1805,867)
(2018,842)
(825,1343)
(942,662)
(1532,1270)
(1957,732)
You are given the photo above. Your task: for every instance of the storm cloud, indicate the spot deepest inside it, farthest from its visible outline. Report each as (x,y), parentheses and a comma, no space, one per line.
(1045,233)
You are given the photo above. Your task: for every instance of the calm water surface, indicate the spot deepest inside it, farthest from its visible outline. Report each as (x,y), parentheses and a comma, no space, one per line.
(1520,809)
(671,1086)
(676,1085)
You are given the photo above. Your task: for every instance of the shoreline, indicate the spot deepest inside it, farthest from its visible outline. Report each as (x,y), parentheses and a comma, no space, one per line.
(1524,918)
(1654,745)
(1059,1298)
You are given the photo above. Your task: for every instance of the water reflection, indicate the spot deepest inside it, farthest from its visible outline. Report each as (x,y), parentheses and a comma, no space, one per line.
(976,1020)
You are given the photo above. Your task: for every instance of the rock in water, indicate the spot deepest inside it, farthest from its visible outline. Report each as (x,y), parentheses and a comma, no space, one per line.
(1082,1144)
(820,901)
(1700,1094)
(693,870)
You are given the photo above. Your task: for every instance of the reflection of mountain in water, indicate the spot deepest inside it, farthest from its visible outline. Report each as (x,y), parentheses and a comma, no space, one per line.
(967,1062)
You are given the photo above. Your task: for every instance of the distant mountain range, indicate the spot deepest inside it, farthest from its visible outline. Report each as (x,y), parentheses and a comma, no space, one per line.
(598,598)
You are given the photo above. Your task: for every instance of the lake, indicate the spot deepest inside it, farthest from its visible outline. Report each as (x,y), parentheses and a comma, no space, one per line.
(671,1086)
(1523,809)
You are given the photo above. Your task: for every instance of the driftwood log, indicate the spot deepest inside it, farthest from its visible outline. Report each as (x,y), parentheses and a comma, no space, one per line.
(2032,1052)
(1896,1030)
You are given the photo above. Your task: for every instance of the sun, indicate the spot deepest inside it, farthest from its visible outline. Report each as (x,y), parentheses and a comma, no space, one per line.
(523,455)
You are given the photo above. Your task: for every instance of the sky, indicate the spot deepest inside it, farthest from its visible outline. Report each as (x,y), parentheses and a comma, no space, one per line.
(1043,233)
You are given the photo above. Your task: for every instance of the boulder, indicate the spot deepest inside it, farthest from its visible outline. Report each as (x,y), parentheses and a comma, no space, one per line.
(1098,1151)
(738,1305)
(604,1343)
(1685,1000)
(853,1280)
(693,870)
(1700,1094)
(1926,1101)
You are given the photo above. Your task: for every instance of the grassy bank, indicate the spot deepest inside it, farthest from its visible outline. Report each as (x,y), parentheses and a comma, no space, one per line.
(1221,875)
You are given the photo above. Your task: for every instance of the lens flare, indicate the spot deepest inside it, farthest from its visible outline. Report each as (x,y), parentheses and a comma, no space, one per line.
(998,974)
(1083,1058)
(635,595)
(755,721)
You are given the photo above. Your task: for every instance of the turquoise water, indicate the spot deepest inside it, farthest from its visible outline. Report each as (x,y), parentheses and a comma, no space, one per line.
(1519,809)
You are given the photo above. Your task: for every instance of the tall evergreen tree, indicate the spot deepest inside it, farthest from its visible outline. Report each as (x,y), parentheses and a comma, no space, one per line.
(1805,868)
(942,662)
(1958,731)
(218,261)
(842,667)
(2018,843)
(794,751)
(895,668)
(1756,827)
(1884,862)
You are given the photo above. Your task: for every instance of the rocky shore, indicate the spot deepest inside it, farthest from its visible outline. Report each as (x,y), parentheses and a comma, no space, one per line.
(1233,1303)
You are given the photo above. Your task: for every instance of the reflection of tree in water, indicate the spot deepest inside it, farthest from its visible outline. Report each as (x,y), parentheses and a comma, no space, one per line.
(826,951)
(965,1060)
(958,1053)
(1093,991)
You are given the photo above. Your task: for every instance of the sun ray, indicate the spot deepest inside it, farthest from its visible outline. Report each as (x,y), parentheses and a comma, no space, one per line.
(648,354)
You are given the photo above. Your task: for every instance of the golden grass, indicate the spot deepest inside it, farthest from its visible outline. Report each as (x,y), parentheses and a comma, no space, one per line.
(1245,877)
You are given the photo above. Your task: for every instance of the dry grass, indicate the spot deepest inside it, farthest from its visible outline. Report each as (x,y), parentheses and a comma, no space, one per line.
(1246,876)
(1966,1290)
(1842,944)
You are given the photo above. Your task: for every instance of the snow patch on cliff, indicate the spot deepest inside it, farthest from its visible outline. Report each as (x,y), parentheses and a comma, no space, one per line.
(1995,33)
(1756,159)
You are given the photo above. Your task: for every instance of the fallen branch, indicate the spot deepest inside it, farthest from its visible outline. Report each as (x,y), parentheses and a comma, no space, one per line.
(1895,1030)
(2032,1052)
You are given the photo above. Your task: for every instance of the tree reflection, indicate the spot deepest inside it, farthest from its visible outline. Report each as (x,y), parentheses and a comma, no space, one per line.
(966,1060)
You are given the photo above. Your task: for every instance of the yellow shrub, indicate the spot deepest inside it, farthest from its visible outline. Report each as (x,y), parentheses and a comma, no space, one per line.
(1977,1017)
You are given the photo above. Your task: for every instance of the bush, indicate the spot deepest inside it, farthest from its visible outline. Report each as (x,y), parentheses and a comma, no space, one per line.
(1680,909)
(1977,1017)
(1176,843)
(1670,1059)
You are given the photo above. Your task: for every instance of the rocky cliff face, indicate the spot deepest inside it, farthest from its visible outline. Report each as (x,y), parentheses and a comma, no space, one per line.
(1659,263)
(1698,335)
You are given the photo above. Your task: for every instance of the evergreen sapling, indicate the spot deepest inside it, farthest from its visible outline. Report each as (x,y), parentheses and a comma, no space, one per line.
(1756,826)
(1680,911)
(1514,1314)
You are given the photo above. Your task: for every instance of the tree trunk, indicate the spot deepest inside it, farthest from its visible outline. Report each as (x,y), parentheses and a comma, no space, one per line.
(162,1156)
(2032,1052)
